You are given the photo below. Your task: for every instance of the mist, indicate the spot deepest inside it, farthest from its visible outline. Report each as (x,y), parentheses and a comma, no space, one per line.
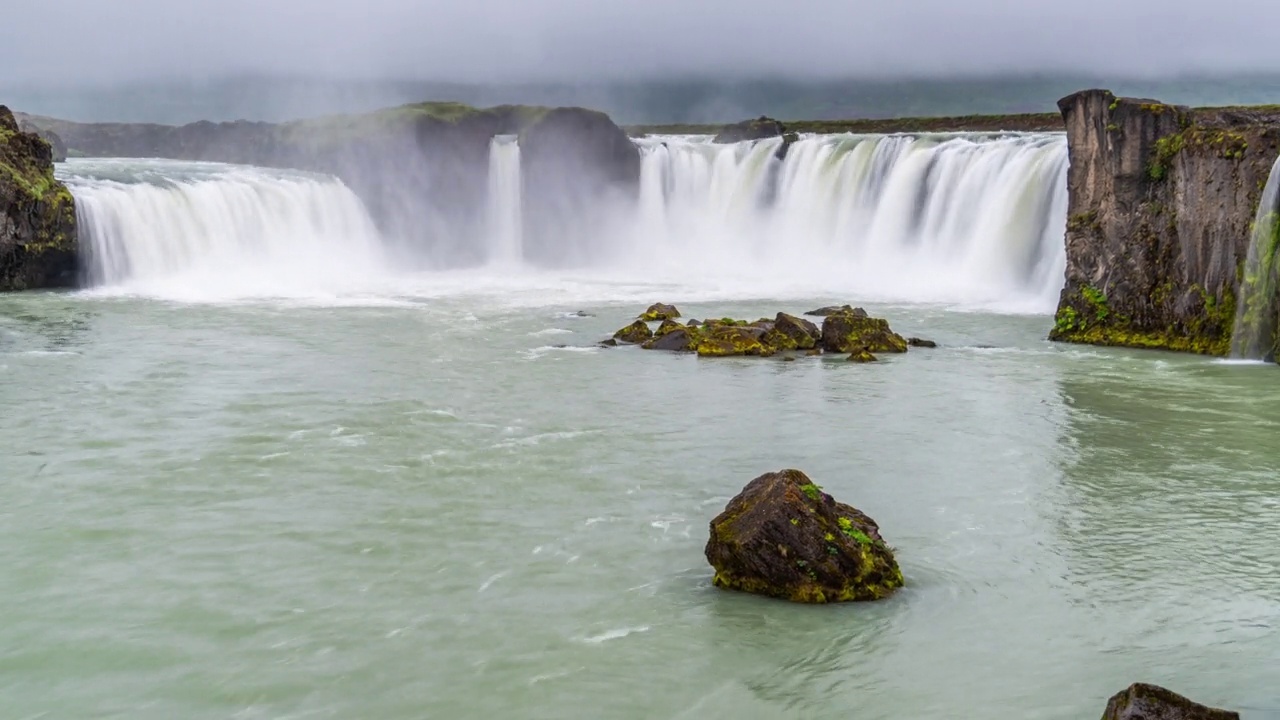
(489,41)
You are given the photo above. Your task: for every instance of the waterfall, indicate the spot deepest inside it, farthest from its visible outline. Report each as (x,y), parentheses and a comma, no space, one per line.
(947,218)
(505,199)
(1258,307)
(197,228)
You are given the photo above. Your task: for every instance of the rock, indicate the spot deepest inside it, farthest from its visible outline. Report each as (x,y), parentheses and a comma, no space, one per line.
(681,339)
(724,322)
(813,352)
(836,310)
(1161,199)
(783,537)
(862,356)
(635,333)
(792,333)
(38,246)
(850,332)
(694,323)
(789,358)
(658,311)
(49,136)
(578,314)
(608,343)
(730,340)
(921,343)
(666,327)
(1151,702)
(758,129)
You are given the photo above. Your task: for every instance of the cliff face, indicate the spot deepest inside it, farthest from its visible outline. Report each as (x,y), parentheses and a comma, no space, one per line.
(422,170)
(37,214)
(1161,199)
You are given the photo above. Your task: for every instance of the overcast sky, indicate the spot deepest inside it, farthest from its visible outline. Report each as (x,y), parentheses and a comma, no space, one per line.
(492,40)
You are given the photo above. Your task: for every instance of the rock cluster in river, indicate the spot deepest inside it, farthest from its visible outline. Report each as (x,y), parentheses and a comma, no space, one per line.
(845,329)
(783,537)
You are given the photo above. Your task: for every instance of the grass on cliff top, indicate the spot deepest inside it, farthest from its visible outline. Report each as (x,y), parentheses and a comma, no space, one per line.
(338,127)
(1029,122)
(33,182)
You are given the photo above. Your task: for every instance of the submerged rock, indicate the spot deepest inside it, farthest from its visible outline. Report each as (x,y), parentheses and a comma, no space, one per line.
(862,356)
(836,310)
(1141,701)
(921,343)
(608,343)
(851,332)
(658,311)
(783,537)
(635,333)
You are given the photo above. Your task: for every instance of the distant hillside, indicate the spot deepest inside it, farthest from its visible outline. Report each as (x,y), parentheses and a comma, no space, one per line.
(640,102)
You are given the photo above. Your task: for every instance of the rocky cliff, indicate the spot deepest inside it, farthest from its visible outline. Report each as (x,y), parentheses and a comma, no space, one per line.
(422,170)
(1161,199)
(37,214)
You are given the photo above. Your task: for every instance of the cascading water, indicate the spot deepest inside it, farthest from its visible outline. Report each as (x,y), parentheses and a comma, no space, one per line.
(1258,309)
(505,198)
(949,218)
(196,230)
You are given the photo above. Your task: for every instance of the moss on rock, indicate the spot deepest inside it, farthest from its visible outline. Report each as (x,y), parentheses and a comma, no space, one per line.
(783,537)
(38,244)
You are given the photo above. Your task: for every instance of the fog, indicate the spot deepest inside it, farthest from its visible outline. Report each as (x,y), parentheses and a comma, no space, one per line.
(484,41)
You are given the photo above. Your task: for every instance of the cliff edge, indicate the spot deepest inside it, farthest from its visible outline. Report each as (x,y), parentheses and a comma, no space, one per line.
(1161,199)
(37,214)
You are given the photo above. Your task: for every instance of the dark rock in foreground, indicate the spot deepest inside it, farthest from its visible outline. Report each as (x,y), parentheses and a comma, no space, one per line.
(1141,701)
(783,537)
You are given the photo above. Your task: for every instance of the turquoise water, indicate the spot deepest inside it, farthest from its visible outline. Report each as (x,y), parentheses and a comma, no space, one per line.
(412,505)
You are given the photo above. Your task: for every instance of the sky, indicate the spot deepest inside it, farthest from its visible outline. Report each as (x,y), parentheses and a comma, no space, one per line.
(104,41)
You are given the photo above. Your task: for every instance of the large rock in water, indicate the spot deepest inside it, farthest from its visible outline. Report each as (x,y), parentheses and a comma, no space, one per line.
(37,213)
(1151,702)
(785,538)
(792,333)
(852,332)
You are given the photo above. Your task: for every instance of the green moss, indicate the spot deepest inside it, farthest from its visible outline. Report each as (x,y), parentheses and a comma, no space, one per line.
(1165,150)
(811,491)
(1087,318)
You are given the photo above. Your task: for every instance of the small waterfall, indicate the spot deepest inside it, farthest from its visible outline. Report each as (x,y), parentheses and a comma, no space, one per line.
(206,229)
(1258,307)
(505,197)
(949,218)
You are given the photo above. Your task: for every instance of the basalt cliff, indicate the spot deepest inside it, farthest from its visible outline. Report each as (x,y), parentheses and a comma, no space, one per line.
(37,214)
(422,169)
(1161,201)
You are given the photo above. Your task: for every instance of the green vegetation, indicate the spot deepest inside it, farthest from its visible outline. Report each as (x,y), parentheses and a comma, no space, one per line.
(1087,318)
(811,491)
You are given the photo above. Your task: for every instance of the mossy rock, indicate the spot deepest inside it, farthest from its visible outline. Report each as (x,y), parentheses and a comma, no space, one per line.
(1141,701)
(862,356)
(682,339)
(792,333)
(658,311)
(783,537)
(635,333)
(731,340)
(38,246)
(850,332)
(666,327)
